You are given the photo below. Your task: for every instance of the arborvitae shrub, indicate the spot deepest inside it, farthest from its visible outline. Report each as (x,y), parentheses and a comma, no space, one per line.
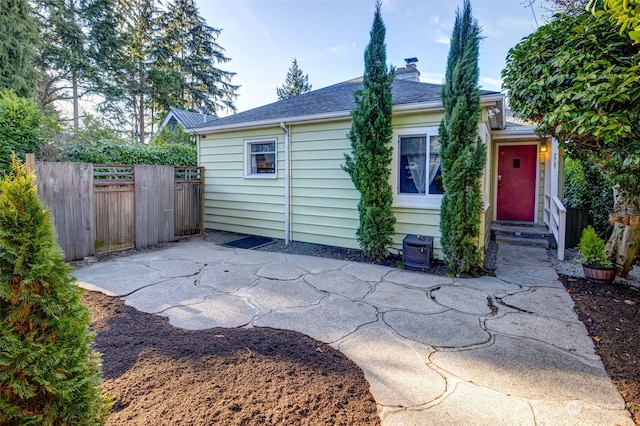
(48,372)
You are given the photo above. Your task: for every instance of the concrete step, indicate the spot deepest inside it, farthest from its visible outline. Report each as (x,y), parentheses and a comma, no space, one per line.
(525,241)
(522,234)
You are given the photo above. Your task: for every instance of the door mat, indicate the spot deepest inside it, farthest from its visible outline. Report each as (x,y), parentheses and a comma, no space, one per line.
(249,242)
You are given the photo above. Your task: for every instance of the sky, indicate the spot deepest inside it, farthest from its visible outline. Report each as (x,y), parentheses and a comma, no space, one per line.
(328,38)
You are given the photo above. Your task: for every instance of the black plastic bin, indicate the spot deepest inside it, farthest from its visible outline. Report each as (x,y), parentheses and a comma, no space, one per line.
(416,251)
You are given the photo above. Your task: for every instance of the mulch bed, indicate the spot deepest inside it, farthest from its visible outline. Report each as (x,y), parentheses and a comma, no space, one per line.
(157,374)
(611,314)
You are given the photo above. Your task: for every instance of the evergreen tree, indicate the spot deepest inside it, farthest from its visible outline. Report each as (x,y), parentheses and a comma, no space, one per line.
(63,52)
(48,373)
(462,152)
(20,127)
(370,135)
(18,38)
(122,39)
(188,53)
(297,83)
(152,60)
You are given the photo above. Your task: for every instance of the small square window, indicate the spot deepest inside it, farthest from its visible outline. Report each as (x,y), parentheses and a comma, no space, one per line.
(260,158)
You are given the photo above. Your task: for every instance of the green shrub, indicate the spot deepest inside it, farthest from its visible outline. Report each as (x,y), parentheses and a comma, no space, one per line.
(48,372)
(591,249)
(172,135)
(20,127)
(117,152)
(585,188)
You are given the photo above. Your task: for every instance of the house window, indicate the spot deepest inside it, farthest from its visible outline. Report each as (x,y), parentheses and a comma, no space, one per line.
(419,172)
(260,158)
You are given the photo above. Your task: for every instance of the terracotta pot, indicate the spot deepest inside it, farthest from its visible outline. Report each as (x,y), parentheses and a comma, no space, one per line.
(598,274)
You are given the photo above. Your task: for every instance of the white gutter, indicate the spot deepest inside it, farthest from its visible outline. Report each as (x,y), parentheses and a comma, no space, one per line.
(287,186)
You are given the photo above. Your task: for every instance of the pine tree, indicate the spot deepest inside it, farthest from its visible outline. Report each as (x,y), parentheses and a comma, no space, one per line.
(462,151)
(297,83)
(18,38)
(188,51)
(48,373)
(64,48)
(370,135)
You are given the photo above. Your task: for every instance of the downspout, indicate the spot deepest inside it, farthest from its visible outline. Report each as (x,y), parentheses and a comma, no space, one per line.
(287,187)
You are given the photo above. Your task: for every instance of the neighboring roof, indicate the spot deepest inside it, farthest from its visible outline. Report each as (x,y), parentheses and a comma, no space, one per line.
(338,98)
(188,119)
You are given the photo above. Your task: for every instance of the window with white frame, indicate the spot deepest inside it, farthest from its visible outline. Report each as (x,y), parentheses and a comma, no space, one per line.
(260,158)
(418,165)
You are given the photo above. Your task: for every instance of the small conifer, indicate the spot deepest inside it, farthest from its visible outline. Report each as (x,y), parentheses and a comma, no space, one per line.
(48,372)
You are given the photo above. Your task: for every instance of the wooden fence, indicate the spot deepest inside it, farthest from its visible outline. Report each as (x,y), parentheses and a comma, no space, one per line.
(100,208)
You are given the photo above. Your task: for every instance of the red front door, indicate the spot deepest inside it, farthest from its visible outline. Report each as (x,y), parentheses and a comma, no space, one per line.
(517,182)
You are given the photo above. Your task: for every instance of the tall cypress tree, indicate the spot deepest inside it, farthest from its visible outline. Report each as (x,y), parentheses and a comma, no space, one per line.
(48,373)
(297,83)
(462,152)
(370,135)
(18,38)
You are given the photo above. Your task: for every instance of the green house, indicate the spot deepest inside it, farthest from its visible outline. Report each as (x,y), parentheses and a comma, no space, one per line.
(275,170)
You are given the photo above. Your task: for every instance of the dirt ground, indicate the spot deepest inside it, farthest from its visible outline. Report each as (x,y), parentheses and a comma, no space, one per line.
(161,375)
(611,313)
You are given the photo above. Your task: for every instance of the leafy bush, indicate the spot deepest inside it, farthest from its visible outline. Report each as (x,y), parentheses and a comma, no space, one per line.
(585,187)
(172,135)
(48,373)
(130,153)
(98,143)
(20,127)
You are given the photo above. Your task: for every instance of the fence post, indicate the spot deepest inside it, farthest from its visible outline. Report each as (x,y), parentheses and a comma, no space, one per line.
(202,194)
(30,163)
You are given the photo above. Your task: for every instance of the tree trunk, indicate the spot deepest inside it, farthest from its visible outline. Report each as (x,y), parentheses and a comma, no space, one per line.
(624,244)
(76,101)
(141,105)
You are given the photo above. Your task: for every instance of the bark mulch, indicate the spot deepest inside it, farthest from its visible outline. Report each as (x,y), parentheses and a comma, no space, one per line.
(611,314)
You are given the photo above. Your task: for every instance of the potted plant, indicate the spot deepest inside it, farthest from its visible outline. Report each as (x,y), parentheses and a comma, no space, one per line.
(596,266)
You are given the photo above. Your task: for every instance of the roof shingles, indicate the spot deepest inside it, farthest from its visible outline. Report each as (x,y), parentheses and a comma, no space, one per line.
(332,99)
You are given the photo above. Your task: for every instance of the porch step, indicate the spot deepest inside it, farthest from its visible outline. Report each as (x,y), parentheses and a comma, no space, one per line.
(522,234)
(522,241)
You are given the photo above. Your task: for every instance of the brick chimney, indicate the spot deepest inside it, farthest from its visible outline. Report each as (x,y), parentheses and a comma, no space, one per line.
(410,71)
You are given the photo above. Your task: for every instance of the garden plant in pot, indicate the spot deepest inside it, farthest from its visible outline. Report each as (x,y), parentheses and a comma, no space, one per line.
(596,266)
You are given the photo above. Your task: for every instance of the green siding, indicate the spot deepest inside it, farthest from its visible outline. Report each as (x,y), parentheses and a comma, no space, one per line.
(235,203)
(323,199)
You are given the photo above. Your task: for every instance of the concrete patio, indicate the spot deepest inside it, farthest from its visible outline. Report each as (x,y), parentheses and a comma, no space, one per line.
(503,350)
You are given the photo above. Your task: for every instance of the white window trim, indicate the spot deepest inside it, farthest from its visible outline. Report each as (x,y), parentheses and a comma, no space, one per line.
(247,159)
(417,201)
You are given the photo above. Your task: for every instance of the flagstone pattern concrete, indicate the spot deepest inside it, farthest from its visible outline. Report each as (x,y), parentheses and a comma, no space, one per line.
(503,350)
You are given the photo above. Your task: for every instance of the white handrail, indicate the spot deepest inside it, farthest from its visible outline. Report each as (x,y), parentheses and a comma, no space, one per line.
(555,217)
